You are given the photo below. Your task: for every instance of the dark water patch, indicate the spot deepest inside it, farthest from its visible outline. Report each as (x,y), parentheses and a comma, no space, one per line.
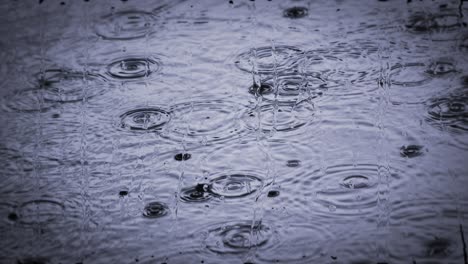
(41,211)
(205,121)
(296,12)
(449,113)
(282,117)
(144,119)
(234,185)
(236,238)
(411,151)
(267,60)
(425,23)
(36,260)
(133,68)
(195,194)
(438,247)
(155,210)
(429,227)
(30,100)
(182,156)
(58,85)
(125,25)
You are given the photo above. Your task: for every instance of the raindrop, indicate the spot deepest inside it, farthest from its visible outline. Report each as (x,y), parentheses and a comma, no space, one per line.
(296,12)
(12,216)
(130,68)
(125,25)
(440,68)
(293,163)
(144,119)
(234,185)
(411,151)
(261,90)
(155,210)
(355,182)
(449,112)
(234,238)
(273,193)
(198,193)
(181,157)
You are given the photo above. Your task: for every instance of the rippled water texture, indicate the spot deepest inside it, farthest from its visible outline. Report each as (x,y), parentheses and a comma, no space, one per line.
(237,132)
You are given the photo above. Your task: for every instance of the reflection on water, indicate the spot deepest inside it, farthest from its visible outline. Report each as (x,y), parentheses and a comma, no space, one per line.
(233,132)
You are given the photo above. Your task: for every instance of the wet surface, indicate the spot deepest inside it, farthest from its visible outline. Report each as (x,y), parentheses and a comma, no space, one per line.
(233,132)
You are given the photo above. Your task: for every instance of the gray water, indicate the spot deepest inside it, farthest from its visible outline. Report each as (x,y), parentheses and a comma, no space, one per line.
(233,131)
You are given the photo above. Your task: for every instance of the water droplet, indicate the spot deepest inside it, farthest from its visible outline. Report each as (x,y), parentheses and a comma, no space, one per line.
(293,163)
(155,210)
(296,12)
(238,237)
(130,68)
(12,216)
(235,185)
(440,68)
(198,193)
(449,112)
(355,182)
(273,193)
(411,151)
(181,157)
(125,25)
(145,119)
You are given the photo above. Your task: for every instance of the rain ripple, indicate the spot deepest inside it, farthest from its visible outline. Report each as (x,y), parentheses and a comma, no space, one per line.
(144,119)
(449,112)
(238,237)
(125,25)
(204,121)
(132,67)
(268,60)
